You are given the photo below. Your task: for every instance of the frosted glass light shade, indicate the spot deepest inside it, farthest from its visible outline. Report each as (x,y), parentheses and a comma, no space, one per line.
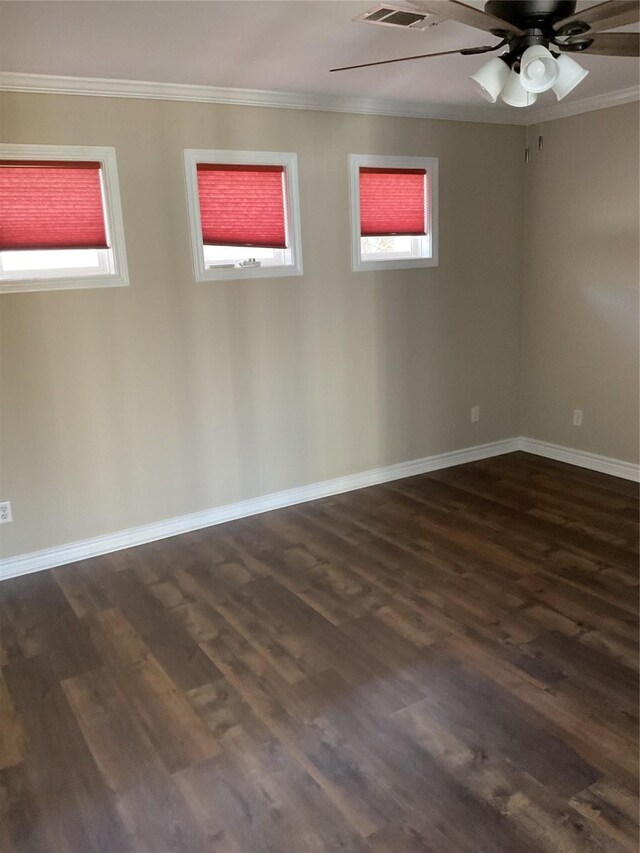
(491,78)
(538,69)
(515,94)
(570,73)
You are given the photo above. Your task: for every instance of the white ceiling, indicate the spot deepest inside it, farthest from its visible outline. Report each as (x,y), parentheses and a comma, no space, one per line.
(265,44)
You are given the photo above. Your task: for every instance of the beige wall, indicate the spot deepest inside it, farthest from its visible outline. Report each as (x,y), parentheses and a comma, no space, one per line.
(580,298)
(127,406)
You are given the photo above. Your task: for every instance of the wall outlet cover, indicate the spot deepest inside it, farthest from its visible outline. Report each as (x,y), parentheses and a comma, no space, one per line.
(5,512)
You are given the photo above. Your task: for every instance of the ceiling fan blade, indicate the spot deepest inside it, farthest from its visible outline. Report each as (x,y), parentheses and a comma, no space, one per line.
(453,10)
(608,44)
(604,16)
(465,51)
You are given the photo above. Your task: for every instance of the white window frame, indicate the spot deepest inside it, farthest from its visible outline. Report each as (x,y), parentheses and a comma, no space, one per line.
(112,270)
(424,249)
(193,156)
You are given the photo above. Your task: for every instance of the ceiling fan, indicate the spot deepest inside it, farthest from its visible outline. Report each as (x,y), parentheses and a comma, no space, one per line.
(538,36)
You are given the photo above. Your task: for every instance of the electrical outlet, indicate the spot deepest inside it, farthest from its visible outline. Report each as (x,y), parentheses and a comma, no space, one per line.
(5,512)
(577,417)
(475,414)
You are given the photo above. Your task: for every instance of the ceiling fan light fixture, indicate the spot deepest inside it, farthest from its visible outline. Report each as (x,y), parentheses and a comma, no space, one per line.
(515,95)
(538,69)
(570,73)
(536,37)
(491,78)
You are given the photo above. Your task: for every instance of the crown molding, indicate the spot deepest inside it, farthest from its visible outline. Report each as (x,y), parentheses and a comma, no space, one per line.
(586,105)
(104,87)
(58,85)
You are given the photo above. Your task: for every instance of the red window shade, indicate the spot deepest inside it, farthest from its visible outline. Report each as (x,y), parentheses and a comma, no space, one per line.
(392,202)
(242,205)
(47,205)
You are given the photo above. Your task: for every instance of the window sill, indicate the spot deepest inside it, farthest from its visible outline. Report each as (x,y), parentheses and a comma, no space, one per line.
(239,273)
(23,285)
(393,264)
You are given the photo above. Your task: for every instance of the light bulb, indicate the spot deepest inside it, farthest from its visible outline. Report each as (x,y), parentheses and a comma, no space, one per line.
(536,68)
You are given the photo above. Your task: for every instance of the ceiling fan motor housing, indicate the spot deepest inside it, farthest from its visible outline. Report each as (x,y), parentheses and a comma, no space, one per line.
(529,14)
(536,19)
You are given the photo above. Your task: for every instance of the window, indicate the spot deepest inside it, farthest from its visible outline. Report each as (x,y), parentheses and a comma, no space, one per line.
(60,218)
(394,212)
(243,214)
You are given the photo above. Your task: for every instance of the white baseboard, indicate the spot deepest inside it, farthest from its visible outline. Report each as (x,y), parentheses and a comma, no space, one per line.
(593,461)
(48,558)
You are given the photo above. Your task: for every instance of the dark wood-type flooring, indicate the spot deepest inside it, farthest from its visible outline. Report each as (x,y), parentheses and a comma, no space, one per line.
(447,663)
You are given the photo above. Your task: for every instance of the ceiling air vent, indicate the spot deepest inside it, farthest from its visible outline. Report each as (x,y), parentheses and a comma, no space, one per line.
(398,16)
